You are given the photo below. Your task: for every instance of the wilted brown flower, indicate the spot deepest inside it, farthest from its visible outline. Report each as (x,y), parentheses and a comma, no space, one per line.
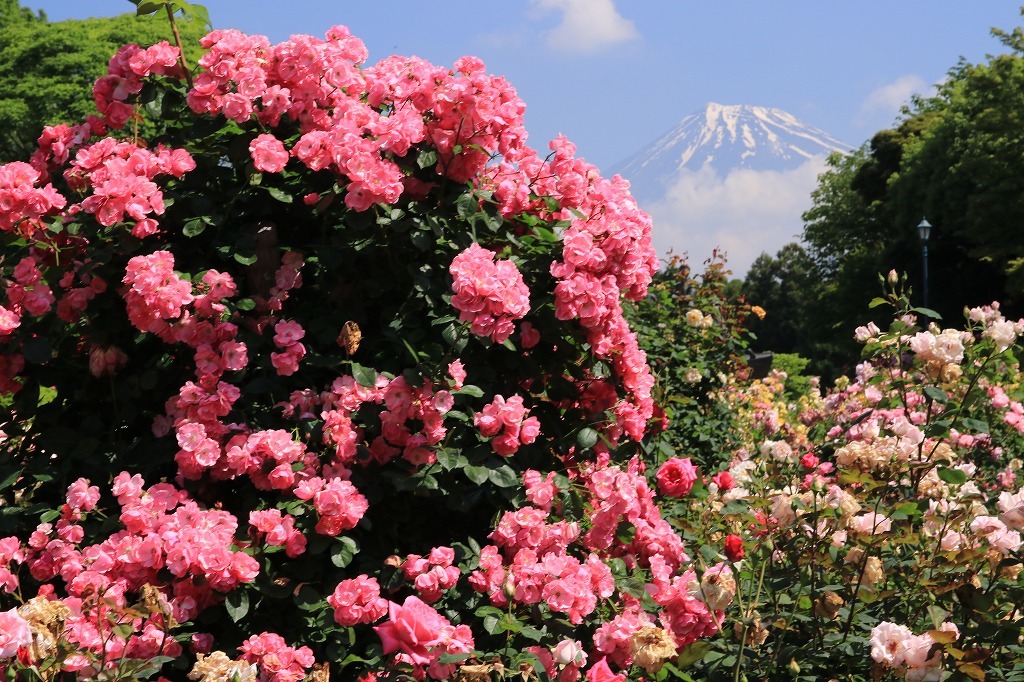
(756,632)
(350,337)
(828,605)
(652,647)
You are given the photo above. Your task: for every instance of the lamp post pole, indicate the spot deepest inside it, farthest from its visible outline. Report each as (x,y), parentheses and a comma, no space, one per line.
(924,230)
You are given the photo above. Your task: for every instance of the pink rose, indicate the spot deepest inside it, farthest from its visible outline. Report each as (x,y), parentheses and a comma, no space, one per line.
(14,633)
(676,477)
(412,629)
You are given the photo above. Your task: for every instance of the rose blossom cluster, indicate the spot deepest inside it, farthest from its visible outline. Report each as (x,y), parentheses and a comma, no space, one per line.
(278,530)
(355,123)
(122,178)
(277,661)
(357,600)
(166,540)
(124,77)
(506,421)
(433,574)
(607,253)
(910,656)
(24,199)
(489,293)
(404,406)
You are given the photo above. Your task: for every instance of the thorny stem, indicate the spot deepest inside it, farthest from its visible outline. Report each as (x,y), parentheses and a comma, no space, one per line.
(181,48)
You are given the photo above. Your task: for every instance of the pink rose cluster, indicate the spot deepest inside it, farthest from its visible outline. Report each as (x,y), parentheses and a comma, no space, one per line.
(27,294)
(506,421)
(277,661)
(278,530)
(910,656)
(357,600)
(433,574)
(286,337)
(122,178)
(166,540)
(532,561)
(404,406)
(354,121)
(490,294)
(24,199)
(124,77)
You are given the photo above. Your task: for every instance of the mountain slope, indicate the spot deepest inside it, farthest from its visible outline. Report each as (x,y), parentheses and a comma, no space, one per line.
(724,138)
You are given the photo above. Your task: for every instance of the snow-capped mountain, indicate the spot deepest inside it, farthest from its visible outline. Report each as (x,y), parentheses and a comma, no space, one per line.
(724,138)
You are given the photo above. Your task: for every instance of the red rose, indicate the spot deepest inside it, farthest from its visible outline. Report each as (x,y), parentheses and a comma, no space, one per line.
(734,547)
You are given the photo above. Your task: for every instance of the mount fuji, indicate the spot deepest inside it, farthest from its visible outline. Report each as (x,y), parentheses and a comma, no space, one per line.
(736,177)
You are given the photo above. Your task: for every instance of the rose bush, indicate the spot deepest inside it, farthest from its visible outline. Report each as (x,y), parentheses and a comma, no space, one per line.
(329,375)
(874,531)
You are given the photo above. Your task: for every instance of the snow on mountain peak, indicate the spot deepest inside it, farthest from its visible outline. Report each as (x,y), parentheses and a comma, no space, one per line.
(724,138)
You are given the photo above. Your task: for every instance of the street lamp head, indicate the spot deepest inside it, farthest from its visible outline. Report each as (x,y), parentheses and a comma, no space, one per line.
(924,230)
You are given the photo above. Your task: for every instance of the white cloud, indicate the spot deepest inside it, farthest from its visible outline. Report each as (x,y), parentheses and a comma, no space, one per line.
(587,25)
(744,214)
(885,101)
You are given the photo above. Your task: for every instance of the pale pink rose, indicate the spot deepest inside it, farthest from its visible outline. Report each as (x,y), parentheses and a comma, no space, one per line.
(14,633)
(887,643)
(569,652)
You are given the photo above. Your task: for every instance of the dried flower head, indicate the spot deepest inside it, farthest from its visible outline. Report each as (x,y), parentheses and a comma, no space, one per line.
(652,647)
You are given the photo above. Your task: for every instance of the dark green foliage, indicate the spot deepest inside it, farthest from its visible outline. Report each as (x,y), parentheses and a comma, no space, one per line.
(693,363)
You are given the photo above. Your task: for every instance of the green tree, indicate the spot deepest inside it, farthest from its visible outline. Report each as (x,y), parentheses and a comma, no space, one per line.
(966,174)
(953,158)
(786,286)
(47,68)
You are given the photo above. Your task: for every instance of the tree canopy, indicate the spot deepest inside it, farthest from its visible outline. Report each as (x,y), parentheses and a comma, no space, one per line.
(954,158)
(47,68)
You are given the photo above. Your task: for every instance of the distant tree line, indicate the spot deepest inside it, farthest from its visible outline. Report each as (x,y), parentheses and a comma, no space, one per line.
(956,159)
(47,68)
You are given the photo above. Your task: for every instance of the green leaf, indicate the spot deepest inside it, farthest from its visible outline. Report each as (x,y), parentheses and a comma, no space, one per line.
(927,312)
(364,376)
(10,479)
(426,158)
(503,477)
(693,653)
(244,260)
(952,476)
(280,195)
(194,227)
(936,394)
(492,625)
(237,604)
(586,438)
(975,425)
(477,474)
(343,552)
(454,337)
(470,390)
(877,301)
(144,7)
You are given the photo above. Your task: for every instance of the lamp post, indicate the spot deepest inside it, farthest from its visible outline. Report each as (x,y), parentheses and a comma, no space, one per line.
(924,231)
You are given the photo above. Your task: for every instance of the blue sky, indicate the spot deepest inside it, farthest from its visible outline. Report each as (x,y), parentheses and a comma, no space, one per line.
(613,75)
